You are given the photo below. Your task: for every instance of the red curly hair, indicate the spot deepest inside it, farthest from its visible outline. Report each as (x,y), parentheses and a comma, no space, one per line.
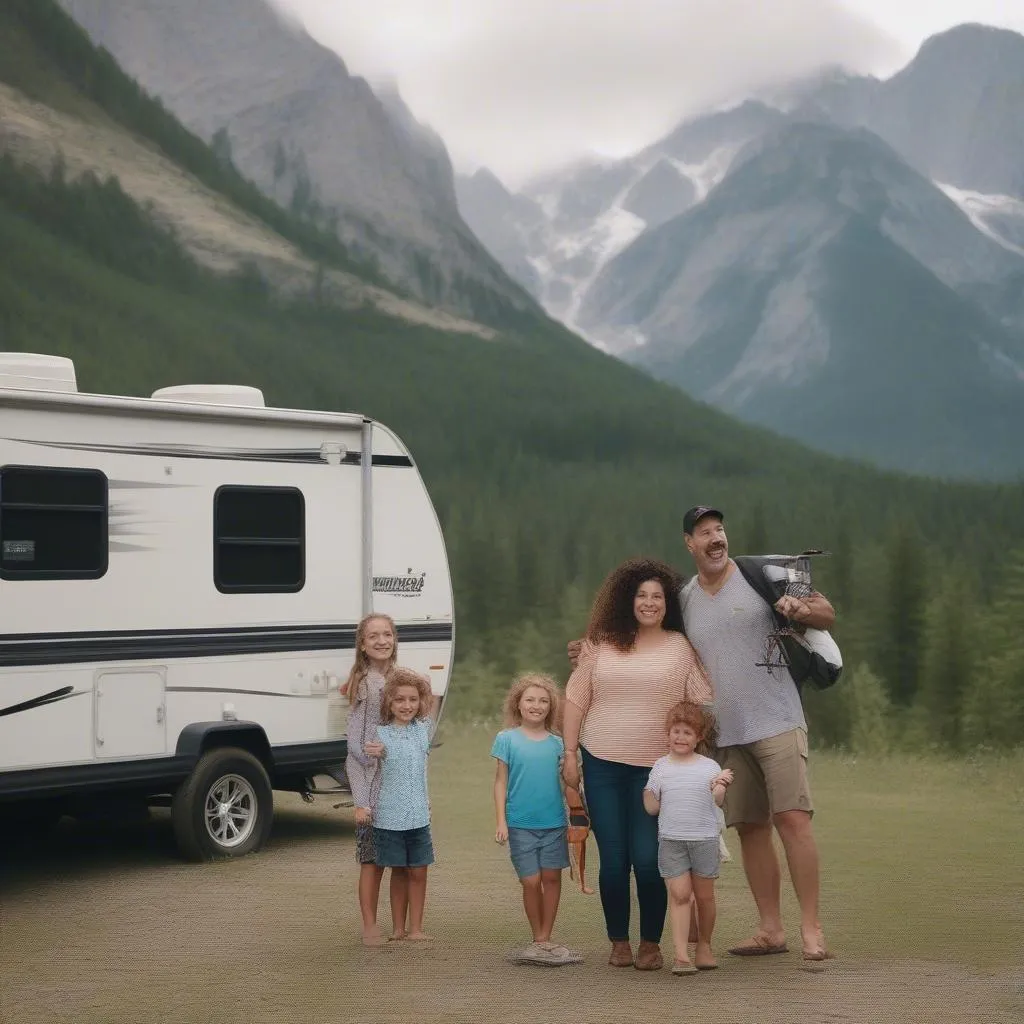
(700,720)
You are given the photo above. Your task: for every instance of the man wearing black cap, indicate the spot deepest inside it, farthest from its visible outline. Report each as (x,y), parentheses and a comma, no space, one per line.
(762,730)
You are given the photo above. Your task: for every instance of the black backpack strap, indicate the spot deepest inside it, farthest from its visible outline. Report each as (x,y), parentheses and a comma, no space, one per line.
(752,568)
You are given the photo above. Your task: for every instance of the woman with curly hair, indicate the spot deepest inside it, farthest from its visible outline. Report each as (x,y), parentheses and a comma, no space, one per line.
(635,664)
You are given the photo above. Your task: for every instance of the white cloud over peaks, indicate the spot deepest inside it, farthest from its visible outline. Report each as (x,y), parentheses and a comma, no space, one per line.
(524,85)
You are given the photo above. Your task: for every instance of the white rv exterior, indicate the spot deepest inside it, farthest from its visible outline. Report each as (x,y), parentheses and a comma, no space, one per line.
(180,582)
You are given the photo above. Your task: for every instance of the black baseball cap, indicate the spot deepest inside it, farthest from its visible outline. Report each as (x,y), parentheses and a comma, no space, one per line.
(696,514)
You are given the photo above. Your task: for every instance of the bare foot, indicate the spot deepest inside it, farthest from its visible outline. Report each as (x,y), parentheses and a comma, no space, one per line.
(814,945)
(373,937)
(621,955)
(419,937)
(703,958)
(398,937)
(683,967)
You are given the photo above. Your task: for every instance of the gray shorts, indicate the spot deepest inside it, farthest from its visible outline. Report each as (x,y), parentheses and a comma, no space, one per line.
(677,856)
(538,849)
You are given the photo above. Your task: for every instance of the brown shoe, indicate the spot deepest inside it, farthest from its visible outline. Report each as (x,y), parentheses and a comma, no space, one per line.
(622,954)
(648,957)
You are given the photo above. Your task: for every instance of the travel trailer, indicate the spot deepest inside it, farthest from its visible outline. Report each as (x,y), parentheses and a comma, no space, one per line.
(181,578)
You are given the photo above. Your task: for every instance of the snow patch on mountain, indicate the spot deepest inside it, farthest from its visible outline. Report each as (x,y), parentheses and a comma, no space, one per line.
(570,249)
(1001,218)
(706,175)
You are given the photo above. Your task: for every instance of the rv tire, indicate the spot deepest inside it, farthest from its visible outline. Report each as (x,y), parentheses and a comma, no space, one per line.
(224,808)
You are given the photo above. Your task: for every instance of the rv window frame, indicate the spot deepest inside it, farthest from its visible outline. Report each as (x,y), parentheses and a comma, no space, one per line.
(218,540)
(103,511)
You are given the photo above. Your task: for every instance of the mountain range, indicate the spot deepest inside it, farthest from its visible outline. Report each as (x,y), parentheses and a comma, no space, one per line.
(312,136)
(840,261)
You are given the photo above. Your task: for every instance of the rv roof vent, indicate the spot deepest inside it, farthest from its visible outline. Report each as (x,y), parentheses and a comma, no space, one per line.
(35,372)
(213,394)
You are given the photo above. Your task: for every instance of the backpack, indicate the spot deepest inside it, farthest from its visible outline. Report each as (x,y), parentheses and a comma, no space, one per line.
(812,656)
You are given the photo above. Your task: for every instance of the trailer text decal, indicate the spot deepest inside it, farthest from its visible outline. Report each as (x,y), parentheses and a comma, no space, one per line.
(409,585)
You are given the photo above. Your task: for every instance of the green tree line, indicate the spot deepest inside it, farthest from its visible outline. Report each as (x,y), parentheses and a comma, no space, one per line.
(549,462)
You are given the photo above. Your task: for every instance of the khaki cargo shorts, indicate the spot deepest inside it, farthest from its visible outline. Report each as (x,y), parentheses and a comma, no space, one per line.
(769,776)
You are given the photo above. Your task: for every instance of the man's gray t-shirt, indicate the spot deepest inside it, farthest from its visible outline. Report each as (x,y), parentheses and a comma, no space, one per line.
(728,631)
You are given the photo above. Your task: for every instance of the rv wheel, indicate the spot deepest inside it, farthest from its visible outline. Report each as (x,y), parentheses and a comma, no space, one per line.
(224,808)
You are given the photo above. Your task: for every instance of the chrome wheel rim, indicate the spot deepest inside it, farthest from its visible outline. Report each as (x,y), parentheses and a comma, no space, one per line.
(230,811)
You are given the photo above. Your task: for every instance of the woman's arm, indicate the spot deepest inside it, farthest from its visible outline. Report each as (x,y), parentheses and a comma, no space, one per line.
(572,721)
(500,799)
(578,693)
(696,684)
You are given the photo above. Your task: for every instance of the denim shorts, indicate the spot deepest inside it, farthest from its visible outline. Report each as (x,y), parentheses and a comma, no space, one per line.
(538,849)
(677,856)
(408,848)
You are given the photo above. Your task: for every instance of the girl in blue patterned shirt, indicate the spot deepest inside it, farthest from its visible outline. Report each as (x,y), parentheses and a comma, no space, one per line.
(401,820)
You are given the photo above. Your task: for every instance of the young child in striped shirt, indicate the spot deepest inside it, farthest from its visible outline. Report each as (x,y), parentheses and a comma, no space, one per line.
(685,790)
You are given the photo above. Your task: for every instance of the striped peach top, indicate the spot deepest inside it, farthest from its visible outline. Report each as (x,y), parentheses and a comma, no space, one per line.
(624,696)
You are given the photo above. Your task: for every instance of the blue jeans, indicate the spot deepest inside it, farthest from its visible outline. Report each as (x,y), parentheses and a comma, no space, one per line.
(627,838)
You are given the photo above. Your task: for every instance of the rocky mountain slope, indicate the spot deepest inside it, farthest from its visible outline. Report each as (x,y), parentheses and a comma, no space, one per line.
(314,137)
(953,112)
(710,258)
(792,298)
(217,234)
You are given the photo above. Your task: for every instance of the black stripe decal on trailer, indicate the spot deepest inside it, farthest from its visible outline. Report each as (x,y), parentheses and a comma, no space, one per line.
(39,702)
(307,455)
(161,645)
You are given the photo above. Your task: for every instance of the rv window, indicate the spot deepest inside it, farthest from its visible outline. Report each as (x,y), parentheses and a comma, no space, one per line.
(259,540)
(53,523)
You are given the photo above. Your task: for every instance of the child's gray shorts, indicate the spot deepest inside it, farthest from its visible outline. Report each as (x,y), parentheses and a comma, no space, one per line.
(677,856)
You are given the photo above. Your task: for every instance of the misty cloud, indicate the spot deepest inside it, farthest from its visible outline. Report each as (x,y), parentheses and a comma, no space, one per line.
(524,85)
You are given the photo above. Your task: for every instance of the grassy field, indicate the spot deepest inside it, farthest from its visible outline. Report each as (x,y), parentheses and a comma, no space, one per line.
(923,890)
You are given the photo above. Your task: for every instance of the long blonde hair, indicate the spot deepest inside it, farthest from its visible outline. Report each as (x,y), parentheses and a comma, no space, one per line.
(355,687)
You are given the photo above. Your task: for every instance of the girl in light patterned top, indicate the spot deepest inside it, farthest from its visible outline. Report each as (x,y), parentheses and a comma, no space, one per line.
(376,654)
(401,823)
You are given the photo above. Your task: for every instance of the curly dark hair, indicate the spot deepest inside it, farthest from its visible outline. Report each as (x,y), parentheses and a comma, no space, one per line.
(612,619)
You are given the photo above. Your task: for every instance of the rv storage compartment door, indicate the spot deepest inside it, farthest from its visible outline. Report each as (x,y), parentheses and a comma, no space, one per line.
(129,713)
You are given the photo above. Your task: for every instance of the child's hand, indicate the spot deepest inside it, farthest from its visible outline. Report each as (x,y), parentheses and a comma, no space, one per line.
(723,778)
(374,749)
(501,835)
(363,816)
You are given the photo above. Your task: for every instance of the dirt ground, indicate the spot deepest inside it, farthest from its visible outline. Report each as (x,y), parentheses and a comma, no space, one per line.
(105,924)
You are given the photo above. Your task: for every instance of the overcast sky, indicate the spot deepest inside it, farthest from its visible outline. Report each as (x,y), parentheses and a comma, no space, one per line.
(522,86)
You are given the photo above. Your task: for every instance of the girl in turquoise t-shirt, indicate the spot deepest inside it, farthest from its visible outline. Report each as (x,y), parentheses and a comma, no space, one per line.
(530,809)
